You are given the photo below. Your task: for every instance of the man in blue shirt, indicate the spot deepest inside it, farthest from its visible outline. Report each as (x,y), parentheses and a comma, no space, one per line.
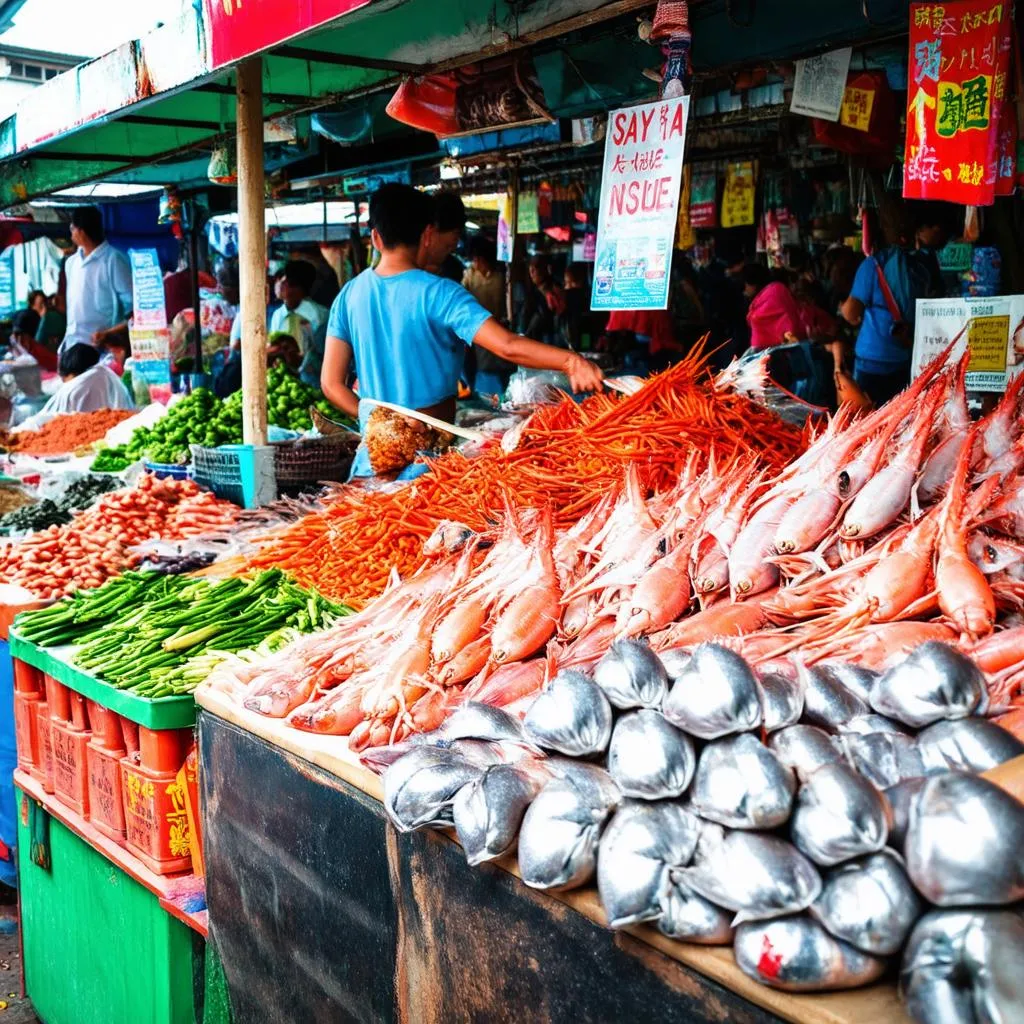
(402,326)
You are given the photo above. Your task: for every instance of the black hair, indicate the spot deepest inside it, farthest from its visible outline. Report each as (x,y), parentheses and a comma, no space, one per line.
(449,213)
(756,274)
(26,321)
(35,294)
(481,247)
(301,274)
(77,359)
(227,274)
(400,214)
(797,259)
(89,220)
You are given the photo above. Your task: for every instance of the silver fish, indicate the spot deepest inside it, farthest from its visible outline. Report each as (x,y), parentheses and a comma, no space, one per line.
(639,846)
(675,662)
(901,797)
(571,715)
(865,725)
(967,745)
(756,874)
(839,815)
(965,842)
(561,828)
(715,696)
(648,758)
(419,788)
(488,811)
(857,679)
(869,903)
(476,721)
(742,784)
(934,682)
(964,967)
(782,701)
(828,702)
(804,748)
(796,954)
(632,676)
(687,916)
(884,758)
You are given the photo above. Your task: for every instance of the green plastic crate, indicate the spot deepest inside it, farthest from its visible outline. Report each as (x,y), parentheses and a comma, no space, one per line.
(98,947)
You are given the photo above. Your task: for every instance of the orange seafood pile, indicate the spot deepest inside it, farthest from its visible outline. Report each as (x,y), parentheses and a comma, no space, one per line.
(66,433)
(568,456)
(95,544)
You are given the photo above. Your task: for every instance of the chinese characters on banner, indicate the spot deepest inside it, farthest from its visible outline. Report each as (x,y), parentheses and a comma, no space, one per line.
(738,198)
(957,89)
(640,186)
(858,104)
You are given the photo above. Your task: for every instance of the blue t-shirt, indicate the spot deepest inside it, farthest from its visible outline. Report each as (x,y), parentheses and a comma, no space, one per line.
(876,350)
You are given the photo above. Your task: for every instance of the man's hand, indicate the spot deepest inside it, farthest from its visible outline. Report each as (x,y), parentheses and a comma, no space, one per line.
(99,337)
(582,373)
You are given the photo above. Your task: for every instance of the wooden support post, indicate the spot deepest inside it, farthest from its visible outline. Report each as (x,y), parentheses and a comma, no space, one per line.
(252,251)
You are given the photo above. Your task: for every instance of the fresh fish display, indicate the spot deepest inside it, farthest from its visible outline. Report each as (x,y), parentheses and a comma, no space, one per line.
(675,662)
(782,701)
(716,695)
(869,903)
(571,715)
(632,676)
(865,725)
(828,702)
(964,967)
(642,842)
(967,745)
(856,678)
(648,758)
(757,875)
(804,748)
(901,797)
(965,842)
(797,955)
(420,787)
(560,832)
(839,815)
(687,916)
(933,683)
(742,784)
(475,721)
(884,758)
(488,811)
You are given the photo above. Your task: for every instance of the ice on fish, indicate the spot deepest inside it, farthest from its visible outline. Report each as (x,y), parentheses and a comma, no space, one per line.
(488,811)
(828,702)
(571,715)
(965,842)
(632,676)
(716,695)
(561,828)
(648,758)
(419,788)
(934,682)
(901,797)
(796,954)
(884,758)
(757,875)
(804,748)
(869,903)
(967,745)
(642,842)
(782,701)
(687,916)
(742,784)
(964,967)
(839,815)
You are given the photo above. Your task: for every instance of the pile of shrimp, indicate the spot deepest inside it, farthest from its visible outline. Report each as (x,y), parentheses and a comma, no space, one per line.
(901,526)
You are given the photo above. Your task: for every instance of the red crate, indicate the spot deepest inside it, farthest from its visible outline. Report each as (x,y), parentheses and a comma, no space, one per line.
(26,735)
(156,816)
(27,678)
(43,771)
(70,767)
(58,698)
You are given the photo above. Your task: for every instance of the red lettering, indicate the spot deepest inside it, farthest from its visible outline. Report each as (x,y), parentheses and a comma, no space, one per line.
(678,126)
(648,117)
(664,200)
(631,130)
(618,132)
(615,200)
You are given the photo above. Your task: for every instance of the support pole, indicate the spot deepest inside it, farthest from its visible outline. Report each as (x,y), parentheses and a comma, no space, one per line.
(193,268)
(252,251)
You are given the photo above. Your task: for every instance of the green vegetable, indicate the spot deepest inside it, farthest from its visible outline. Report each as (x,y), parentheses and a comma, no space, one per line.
(81,494)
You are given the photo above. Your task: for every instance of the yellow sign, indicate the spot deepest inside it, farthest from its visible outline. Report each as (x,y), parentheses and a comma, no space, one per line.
(738,198)
(856,109)
(987,340)
(686,237)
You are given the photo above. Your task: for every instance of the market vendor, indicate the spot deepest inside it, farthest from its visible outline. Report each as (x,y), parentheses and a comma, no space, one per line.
(87,386)
(23,329)
(397,323)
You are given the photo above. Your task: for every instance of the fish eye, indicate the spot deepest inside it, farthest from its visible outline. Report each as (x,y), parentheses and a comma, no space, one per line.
(844,484)
(990,553)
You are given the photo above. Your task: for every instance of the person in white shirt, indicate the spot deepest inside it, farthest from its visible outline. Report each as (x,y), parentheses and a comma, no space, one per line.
(99,283)
(299,315)
(87,386)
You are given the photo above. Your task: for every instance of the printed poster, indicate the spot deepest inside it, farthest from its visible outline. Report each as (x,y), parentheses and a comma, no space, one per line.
(704,198)
(149,336)
(959,82)
(994,334)
(820,83)
(686,237)
(528,217)
(738,197)
(640,187)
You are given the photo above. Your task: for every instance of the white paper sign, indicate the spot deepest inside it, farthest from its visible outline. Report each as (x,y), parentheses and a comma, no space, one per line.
(994,332)
(820,84)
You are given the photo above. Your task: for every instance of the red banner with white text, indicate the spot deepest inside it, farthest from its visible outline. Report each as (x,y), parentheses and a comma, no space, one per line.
(959,83)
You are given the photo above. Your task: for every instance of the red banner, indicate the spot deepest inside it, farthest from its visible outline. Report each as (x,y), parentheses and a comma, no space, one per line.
(959,82)
(240,28)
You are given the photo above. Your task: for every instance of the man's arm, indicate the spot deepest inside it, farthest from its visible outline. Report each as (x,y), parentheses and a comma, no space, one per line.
(334,374)
(583,375)
(121,273)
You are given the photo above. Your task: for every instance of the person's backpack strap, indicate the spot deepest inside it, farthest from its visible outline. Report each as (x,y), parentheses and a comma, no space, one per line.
(890,300)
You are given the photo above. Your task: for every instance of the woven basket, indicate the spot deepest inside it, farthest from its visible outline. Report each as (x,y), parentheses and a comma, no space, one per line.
(310,460)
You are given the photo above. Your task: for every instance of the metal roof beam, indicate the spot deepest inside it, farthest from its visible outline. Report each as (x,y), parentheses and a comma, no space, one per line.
(346,60)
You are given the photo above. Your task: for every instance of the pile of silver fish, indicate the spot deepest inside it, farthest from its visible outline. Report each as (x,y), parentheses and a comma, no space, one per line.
(822,821)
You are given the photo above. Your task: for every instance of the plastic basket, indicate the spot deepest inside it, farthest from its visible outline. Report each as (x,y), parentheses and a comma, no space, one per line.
(298,464)
(219,470)
(163,470)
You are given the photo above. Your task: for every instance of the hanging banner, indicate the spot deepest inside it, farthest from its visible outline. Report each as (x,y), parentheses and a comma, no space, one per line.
(994,335)
(738,198)
(857,107)
(703,199)
(640,186)
(528,217)
(959,72)
(506,236)
(820,83)
(686,237)
(149,336)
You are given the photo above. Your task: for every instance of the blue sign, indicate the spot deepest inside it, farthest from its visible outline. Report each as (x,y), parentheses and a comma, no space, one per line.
(8,302)
(148,290)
